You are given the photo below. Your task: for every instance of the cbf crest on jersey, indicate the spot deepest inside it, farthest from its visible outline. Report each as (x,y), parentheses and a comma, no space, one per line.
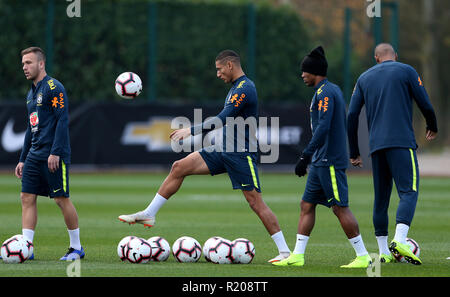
(39,99)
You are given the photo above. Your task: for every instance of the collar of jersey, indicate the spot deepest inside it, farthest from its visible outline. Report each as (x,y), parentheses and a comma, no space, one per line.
(238,79)
(320,84)
(39,83)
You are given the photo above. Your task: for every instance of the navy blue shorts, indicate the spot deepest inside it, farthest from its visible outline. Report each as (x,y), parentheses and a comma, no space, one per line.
(241,168)
(37,179)
(326,186)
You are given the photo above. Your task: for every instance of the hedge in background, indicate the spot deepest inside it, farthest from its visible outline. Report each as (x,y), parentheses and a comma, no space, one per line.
(113,36)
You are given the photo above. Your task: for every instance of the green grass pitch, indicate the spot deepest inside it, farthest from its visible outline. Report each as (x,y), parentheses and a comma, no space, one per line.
(206,206)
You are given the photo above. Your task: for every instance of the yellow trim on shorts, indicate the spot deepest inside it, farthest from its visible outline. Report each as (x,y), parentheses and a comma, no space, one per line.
(334,183)
(63,165)
(250,163)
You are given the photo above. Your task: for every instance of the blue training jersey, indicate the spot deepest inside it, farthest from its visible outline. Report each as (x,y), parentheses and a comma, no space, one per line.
(48,122)
(328,145)
(387,90)
(241,111)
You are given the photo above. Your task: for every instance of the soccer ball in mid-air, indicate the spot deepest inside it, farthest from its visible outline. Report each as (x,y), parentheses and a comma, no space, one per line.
(221,252)
(413,245)
(207,246)
(243,251)
(128,85)
(14,250)
(160,248)
(186,249)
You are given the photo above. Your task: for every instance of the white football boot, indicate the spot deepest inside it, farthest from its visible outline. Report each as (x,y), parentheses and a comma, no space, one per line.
(280,257)
(139,218)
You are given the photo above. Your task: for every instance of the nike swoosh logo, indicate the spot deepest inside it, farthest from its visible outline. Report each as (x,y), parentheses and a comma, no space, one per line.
(28,101)
(245,185)
(54,191)
(12,141)
(329,200)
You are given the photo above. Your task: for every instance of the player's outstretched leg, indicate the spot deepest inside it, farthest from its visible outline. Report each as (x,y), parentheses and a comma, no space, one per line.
(139,217)
(190,165)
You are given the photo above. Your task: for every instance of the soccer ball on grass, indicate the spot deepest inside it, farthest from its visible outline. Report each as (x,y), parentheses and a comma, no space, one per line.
(160,248)
(14,250)
(243,251)
(221,251)
(207,246)
(29,244)
(134,250)
(186,249)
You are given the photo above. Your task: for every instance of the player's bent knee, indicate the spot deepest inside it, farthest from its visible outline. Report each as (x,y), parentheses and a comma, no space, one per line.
(61,201)
(306,207)
(340,210)
(177,168)
(187,166)
(254,200)
(336,209)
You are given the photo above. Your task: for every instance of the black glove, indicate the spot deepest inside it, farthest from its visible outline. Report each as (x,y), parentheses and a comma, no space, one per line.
(302,164)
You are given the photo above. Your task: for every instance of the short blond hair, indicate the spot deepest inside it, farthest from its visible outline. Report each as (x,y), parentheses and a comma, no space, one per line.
(36,50)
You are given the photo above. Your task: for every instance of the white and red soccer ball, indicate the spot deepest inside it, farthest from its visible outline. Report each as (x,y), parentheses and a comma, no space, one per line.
(134,250)
(207,246)
(243,251)
(160,248)
(413,245)
(15,250)
(128,85)
(122,248)
(29,244)
(221,251)
(186,249)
